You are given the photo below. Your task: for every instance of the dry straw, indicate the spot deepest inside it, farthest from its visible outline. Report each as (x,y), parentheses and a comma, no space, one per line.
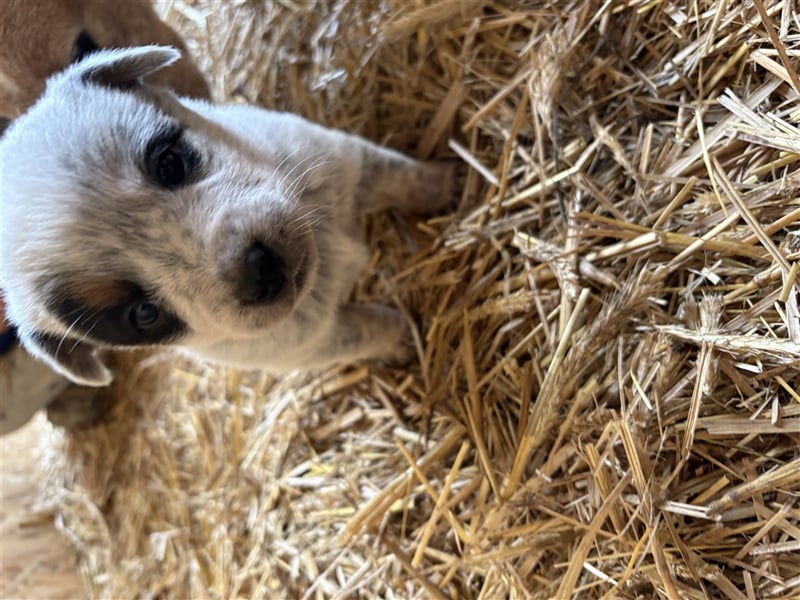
(607,398)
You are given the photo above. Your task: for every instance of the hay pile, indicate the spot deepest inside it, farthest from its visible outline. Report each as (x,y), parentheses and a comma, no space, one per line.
(606,403)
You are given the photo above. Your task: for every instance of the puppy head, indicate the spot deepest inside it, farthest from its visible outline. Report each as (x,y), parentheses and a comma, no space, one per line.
(42,37)
(131,220)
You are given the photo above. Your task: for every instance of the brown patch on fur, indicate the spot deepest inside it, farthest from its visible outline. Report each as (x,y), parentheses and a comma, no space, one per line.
(39,38)
(99,293)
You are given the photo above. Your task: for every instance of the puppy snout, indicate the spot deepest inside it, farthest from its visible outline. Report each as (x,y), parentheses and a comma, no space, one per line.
(263,275)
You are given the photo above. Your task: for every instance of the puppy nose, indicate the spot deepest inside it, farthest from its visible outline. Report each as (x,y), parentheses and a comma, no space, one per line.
(263,275)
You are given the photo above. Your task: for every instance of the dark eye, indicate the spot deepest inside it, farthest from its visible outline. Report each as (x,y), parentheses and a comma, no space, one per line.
(170,169)
(169,160)
(84,45)
(143,315)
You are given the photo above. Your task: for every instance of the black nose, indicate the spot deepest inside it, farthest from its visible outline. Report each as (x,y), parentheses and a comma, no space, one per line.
(263,275)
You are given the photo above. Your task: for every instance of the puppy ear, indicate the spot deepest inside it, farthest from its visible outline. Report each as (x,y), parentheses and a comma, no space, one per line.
(75,360)
(126,67)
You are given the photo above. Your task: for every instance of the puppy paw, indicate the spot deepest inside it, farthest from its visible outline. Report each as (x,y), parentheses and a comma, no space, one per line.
(398,349)
(26,385)
(442,184)
(368,332)
(403,354)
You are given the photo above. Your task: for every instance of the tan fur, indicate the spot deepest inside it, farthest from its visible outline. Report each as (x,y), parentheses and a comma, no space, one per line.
(38,39)
(98,293)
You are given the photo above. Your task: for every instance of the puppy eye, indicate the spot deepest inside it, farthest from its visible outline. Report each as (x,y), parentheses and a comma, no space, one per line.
(143,315)
(170,169)
(84,45)
(169,161)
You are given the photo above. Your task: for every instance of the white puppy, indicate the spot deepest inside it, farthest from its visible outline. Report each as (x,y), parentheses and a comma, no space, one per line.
(133,218)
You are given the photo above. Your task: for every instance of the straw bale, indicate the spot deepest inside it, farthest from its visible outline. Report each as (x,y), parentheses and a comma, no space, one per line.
(606,402)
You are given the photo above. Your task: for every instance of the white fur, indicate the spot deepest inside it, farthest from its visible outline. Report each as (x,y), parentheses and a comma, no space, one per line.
(79,213)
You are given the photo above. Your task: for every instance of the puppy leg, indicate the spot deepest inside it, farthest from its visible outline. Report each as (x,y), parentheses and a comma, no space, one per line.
(366,331)
(80,407)
(26,385)
(388,179)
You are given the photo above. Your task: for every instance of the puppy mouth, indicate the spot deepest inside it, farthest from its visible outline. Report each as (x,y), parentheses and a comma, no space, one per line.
(301,276)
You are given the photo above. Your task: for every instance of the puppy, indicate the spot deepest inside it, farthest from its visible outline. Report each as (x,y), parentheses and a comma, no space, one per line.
(42,37)
(134,218)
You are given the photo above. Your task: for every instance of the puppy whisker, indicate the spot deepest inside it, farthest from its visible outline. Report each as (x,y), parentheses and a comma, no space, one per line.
(279,168)
(321,161)
(314,212)
(280,184)
(84,313)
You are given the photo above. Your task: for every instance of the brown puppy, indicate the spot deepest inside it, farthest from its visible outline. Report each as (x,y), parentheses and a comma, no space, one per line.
(41,37)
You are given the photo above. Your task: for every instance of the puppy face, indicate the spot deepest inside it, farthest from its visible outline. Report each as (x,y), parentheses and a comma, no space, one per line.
(41,37)
(130,219)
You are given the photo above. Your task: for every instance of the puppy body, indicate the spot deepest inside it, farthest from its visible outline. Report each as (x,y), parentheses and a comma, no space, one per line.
(41,37)
(246,257)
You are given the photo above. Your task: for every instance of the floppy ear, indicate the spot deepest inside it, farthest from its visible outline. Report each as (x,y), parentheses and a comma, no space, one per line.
(123,68)
(75,360)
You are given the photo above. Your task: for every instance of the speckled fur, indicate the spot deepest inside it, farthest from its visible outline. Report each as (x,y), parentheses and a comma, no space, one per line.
(79,211)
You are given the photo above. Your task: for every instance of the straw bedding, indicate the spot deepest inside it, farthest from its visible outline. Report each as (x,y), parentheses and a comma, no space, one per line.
(606,400)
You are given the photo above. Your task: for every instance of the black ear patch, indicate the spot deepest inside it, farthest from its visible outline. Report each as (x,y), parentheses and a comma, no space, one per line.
(84,45)
(4,123)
